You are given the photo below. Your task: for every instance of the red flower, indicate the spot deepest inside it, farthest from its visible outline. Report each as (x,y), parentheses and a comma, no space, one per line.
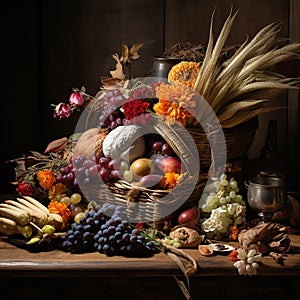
(62,110)
(76,99)
(136,111)
(24,188)
(139,225)
(233,255)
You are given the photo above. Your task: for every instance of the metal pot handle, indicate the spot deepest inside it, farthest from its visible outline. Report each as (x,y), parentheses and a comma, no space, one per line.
(246,184)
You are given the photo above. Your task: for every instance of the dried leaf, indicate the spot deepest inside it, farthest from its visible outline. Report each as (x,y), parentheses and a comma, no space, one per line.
(37,155)
(56,145)
(116,57)
(110,82)
(118,72)
(125,54)
(133,52)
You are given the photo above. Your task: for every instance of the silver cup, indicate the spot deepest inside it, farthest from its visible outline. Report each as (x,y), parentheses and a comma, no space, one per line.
(266,195)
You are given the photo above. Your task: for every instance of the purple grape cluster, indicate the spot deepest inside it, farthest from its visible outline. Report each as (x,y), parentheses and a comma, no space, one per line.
(162,147)
(107,235)
(89,170)
(112,117)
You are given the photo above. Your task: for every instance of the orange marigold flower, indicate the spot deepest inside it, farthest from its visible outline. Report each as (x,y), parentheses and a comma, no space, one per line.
(57,189)
(176,102)
(171,179)
(234,233)
(56,207)
(185,72)
(46,179)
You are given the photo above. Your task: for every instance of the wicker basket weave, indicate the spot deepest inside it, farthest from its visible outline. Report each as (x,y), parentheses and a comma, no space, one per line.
(238,140)
(159,207)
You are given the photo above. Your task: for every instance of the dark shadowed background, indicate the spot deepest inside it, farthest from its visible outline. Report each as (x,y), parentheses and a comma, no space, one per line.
(49,47)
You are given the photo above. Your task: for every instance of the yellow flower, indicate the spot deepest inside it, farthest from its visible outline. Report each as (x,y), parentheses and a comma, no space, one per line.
(56,207)
(46,179)
(186,72)
(176,102)
(57,189)
(171,179)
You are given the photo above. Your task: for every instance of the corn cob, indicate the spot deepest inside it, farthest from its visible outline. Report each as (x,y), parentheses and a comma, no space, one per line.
(53,219)
(17,209)
(25,230)
(33,207)
(37,216)
(37,204)
(56,220)
(13,213)
(8,226)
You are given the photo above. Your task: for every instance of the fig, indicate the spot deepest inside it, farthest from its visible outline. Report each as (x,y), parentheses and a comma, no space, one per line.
(168,164)
(152,181)
(141,167)
(189,217)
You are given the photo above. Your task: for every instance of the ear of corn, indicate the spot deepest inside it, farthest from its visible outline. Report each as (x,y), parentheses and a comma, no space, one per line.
(37,204)
(8,226)
(17,215)
(36,216)
(23,216)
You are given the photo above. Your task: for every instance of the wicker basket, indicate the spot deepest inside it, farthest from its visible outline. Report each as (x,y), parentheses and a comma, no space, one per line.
(238,140)
(160,207)
(155,206)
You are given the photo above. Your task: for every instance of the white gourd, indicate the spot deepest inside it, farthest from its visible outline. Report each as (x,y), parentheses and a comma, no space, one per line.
(125,143)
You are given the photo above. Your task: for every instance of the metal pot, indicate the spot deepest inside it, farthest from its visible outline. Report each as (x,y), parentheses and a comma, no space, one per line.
(266,195)
(162,65)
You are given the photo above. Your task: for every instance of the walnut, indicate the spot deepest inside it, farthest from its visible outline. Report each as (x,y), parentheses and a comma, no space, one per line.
(188,237)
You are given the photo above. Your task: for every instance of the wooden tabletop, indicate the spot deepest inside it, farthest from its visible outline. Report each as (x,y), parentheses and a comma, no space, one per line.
(16,261)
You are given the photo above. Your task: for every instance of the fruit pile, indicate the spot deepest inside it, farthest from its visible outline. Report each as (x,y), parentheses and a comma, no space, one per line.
(150,170)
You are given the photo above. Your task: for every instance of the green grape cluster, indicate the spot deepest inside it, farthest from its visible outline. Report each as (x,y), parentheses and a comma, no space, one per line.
(223,208)
(175,242)
(223,192)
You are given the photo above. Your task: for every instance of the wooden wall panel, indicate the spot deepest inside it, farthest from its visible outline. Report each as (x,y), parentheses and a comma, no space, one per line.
(190,20)
(78,40)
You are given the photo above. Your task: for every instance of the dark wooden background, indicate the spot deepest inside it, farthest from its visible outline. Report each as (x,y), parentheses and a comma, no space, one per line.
(48,47)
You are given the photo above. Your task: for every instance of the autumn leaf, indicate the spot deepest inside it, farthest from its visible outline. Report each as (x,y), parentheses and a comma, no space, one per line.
(118,72)
(133,52)
(56,145)
(110,82)
(129,55)
(125,53)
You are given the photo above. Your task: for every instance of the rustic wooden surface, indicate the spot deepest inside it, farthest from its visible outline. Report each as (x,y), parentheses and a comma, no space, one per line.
(15,260)
(74,276)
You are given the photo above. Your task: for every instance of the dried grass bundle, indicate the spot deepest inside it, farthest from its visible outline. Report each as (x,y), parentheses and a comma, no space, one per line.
(241,87)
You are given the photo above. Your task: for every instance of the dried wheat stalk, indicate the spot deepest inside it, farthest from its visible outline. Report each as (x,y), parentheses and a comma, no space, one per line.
(242,86)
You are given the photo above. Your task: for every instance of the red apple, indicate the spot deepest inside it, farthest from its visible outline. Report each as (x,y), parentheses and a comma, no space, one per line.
(189,217)
(168,164)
